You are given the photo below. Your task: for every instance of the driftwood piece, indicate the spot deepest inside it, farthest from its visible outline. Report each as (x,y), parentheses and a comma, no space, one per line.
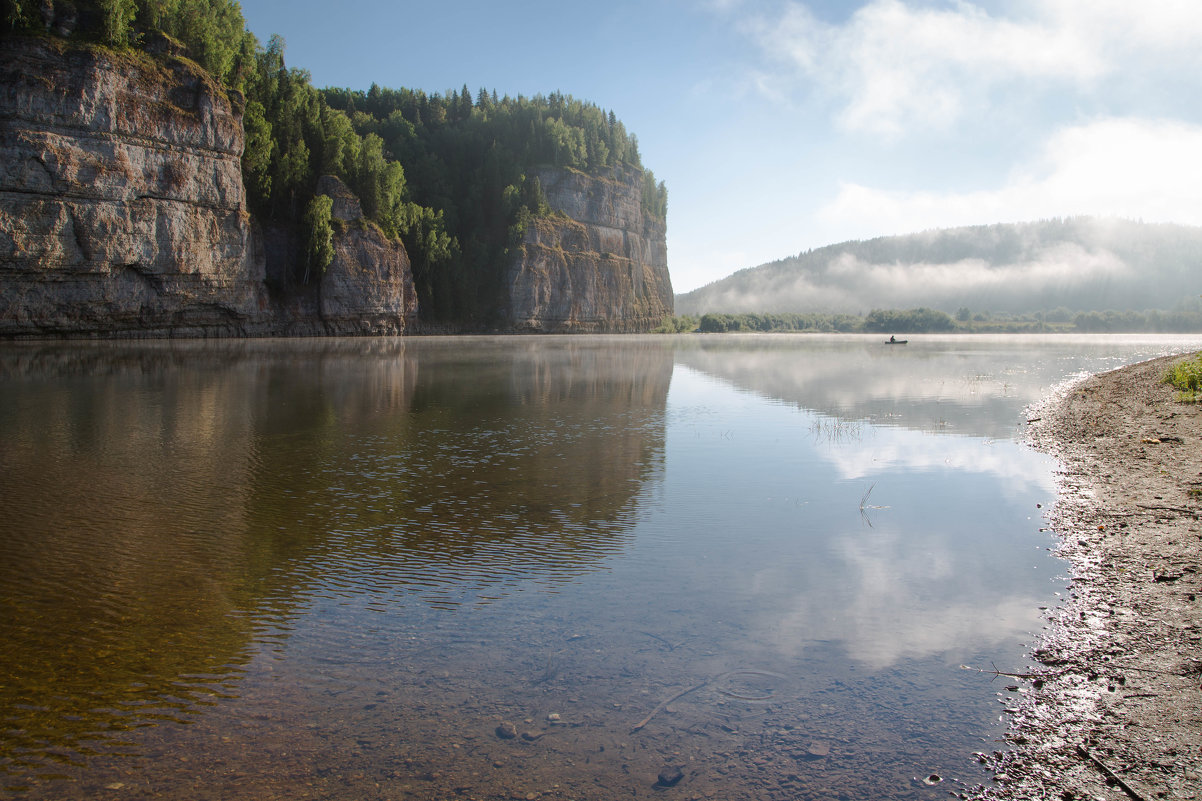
(664,704)
(1102,766)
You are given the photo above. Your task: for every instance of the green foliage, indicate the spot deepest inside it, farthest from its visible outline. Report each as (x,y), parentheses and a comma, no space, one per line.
(826,323)
(1179,320)
(919,320)
(257,150)
(677,325)
(655,196)
(319,243)
(117,17)
(1187,378)
(214,32)
(17,14)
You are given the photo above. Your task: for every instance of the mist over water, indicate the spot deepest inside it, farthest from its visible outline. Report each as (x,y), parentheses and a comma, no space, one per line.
(334,568)
(1077,264)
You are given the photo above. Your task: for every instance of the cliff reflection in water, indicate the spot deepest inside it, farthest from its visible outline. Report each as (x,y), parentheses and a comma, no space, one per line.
(167,508)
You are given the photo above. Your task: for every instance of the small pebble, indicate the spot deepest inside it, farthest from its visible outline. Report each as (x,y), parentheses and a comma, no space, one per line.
(507,731)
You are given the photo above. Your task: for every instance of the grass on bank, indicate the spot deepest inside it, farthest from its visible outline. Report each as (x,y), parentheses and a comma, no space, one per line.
(1187,378)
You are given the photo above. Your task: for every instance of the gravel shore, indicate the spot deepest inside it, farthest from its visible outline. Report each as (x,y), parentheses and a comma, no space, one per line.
(1111,705)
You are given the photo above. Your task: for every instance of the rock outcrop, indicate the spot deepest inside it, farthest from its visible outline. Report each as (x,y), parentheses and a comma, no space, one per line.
(368,287)
(122,206)
(598,264)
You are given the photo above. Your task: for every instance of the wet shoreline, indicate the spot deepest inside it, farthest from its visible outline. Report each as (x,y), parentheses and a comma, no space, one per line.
(1110,705)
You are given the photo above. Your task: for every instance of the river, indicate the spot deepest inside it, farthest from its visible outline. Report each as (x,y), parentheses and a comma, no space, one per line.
(695,567)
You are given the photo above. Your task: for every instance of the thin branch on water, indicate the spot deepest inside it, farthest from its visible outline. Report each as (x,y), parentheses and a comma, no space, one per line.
(864,498)
(864,505)
(664,705)
(995,673)
(671,646)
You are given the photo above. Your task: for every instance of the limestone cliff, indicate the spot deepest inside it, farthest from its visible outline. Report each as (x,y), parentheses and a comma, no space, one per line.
(123,212)
(599,264)
(121,197)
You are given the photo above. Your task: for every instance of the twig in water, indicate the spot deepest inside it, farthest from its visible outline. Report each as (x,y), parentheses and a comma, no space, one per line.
(864,498)
(670,645)
(664,705)
(864,507)
(995,673)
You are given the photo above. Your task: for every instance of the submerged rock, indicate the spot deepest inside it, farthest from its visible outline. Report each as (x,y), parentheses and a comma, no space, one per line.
(669,776)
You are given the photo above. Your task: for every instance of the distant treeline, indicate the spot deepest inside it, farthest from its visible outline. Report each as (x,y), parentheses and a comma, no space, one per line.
(450,175)
(923,320)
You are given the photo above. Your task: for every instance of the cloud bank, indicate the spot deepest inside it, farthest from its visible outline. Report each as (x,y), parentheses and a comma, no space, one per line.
(1131,168)
(895,69)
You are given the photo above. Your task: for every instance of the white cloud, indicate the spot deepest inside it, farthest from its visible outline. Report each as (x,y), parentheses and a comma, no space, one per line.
(1161,25)
(1132,168)
(892,68)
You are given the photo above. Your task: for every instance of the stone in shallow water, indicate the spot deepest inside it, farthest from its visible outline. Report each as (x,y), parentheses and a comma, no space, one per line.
(669,776)
(818,750)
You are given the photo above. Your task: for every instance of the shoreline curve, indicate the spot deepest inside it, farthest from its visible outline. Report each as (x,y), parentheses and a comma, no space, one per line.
(1111,706)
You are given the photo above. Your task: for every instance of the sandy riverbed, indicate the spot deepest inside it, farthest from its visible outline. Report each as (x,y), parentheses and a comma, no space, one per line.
(1110,706)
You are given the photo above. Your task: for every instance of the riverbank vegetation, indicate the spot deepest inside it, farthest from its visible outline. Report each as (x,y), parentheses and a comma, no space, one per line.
(1186,378)
(452,175)
(924,320)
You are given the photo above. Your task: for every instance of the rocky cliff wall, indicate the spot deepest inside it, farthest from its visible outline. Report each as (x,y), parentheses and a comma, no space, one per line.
(598,264)
(121,199)
(123,212)
(368,287)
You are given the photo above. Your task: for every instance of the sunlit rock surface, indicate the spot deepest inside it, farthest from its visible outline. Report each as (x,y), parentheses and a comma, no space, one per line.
(121,199)
(598,264)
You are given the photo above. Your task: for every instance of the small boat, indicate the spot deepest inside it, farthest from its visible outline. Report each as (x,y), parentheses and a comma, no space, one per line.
(893,341)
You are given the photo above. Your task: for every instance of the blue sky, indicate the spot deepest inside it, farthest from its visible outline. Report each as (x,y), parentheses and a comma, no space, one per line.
(784,125)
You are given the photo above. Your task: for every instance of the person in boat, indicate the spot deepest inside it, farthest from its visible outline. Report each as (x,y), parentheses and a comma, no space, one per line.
(892,338)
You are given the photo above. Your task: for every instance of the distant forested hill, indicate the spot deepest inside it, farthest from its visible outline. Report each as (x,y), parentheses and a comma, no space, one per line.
(1075,264)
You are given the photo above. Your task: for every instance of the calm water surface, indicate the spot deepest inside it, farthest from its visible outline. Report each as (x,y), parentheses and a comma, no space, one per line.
(331,569)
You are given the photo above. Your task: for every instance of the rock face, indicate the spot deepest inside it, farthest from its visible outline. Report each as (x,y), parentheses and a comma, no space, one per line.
(368,287)
(598,265)
(121,199)
(123,213)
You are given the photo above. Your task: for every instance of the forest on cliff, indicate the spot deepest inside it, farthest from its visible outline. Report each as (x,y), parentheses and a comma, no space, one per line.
(451,174)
